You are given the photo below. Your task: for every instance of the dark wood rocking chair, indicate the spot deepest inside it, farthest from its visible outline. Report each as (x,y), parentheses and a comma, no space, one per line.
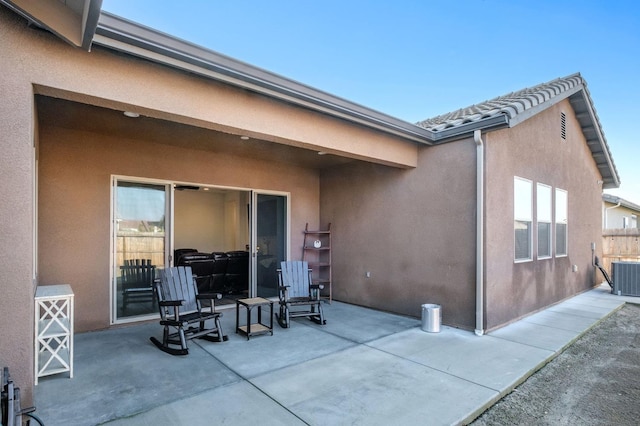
(137,281)
(181,310)
(299,297)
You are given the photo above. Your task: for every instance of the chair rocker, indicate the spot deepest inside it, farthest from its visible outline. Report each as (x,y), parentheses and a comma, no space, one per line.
(299,297)
(181,312)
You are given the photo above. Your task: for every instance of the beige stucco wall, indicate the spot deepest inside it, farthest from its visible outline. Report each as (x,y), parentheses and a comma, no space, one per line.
(16,214)
(413,230)
(36,62)
(75,171)
(534,150)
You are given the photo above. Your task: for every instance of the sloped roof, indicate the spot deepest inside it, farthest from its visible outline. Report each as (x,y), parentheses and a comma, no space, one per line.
(515,107)
(110,31)
(612,199)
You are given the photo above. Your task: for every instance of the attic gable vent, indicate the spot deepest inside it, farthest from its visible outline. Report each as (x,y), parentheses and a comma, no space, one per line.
(563,125)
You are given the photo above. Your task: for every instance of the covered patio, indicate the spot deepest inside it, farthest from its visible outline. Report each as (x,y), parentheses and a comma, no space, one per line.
(364,366)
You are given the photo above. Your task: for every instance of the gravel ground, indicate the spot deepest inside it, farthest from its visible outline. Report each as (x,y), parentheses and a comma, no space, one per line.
(596,381)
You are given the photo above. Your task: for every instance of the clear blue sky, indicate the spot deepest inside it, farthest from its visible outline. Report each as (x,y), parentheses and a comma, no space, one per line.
(415,59)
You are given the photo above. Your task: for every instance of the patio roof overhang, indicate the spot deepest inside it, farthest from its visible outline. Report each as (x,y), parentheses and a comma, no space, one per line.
(119,34)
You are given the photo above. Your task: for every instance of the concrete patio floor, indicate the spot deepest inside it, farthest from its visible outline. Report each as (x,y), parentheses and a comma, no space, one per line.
(362,367)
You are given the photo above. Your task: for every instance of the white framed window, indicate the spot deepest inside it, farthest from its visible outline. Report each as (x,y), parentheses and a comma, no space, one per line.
(523,216)
(561,222)
(543,220)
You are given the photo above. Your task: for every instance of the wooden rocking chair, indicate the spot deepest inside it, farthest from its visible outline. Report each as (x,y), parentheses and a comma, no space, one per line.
(181,309)
(296,291)
(137,281)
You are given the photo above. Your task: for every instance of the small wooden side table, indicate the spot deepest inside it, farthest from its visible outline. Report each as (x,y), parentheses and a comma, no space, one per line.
(252,329)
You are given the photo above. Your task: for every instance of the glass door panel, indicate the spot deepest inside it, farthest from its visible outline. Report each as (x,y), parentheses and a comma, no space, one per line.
(270,242)
(139,247)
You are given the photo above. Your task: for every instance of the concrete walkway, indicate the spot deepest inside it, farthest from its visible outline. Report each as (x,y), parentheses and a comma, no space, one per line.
(363,367)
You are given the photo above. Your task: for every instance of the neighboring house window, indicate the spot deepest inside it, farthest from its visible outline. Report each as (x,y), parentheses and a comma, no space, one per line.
(561,222)
(543,218)
(634,221)
(625,222)
(522,213)
(563,125)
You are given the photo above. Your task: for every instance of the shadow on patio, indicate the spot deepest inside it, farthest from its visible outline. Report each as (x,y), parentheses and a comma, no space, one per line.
(362,367)
(119,373)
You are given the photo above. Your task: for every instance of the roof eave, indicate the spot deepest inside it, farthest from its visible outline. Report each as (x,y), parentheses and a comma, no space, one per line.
(466,130)
(583,106)
(116,33)
(74,24)
(613,199)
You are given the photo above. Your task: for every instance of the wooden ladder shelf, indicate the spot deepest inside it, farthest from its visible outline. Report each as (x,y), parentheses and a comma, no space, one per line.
(316,250)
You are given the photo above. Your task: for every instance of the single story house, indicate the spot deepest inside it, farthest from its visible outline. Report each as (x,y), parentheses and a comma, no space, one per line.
(618,213)
(119,139)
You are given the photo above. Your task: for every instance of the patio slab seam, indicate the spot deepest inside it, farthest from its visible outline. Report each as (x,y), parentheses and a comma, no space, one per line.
(248,378)
(430,367)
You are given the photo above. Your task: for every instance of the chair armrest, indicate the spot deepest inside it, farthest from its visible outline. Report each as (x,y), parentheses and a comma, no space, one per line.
(212,298)
(170,302)
(209,296)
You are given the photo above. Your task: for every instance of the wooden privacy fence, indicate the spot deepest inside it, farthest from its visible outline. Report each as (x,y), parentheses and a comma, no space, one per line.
(140,245)
(620,245)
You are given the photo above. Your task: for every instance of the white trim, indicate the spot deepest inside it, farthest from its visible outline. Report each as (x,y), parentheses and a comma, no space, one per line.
(528,219)
(555,223)
(549,222)
(114,320)
(112,245)
(169,231)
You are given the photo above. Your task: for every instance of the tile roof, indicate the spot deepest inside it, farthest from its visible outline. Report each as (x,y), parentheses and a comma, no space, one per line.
(515,107)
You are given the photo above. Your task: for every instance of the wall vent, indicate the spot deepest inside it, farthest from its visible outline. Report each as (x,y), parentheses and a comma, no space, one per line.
(563,125)
(626,278)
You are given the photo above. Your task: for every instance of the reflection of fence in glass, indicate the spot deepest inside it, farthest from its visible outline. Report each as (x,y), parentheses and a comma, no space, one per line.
(140,245)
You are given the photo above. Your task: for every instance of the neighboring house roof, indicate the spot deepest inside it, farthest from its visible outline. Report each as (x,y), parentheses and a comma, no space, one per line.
(612,199)
(511,109)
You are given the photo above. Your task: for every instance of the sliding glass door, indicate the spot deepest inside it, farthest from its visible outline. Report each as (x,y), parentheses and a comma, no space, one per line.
(233,239)
(140,242)
(270,241)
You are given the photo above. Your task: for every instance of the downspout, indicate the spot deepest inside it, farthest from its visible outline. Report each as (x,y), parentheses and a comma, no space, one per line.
(606,213)
(477,137)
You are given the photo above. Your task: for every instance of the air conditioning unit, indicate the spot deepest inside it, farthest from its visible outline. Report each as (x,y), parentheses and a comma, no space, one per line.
(626,278)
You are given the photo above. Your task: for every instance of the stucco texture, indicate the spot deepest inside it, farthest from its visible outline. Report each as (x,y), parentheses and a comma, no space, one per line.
(413,230)
(534,150)
(17,132)
(75,171)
